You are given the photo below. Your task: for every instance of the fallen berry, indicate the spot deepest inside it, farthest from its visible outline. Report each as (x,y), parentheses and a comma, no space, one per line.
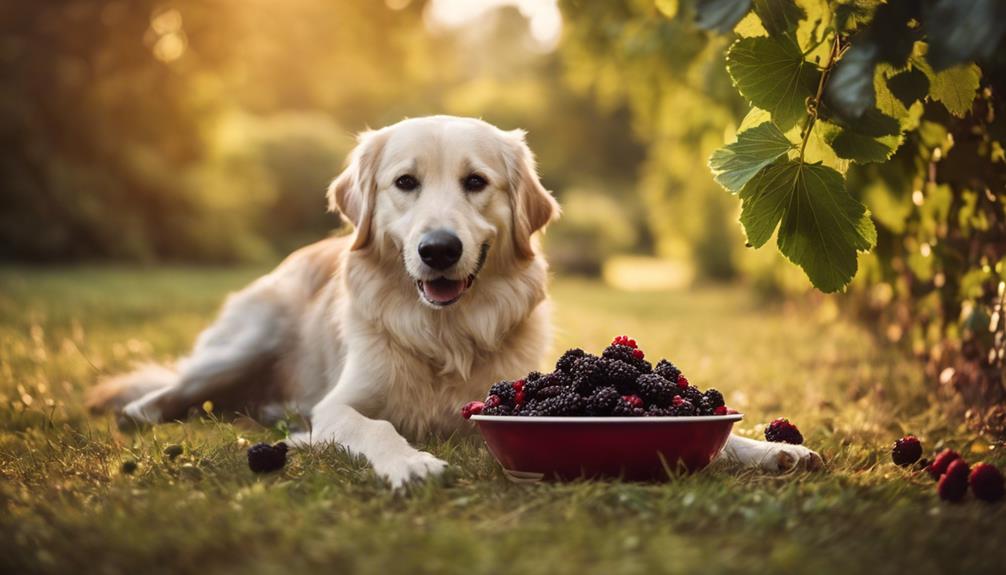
(172,451)
(953,484)
(263,457)
(129,466)
(782,431)
(941,462)
(987,482)
(906,450)
(472,408)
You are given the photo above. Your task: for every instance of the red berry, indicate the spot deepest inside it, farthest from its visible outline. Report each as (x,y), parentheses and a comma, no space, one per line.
(987,482)
(941,462)
(493,401)
(633,400)
(518,385)
(638,354)
(720,410)
(518,397)
(631,343)
(731,411)
(906,450)
(682,382)
(677,401)
(624,340)
(953,484)
(472,408)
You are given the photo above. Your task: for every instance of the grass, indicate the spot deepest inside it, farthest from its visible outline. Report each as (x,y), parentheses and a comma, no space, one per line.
(66,506)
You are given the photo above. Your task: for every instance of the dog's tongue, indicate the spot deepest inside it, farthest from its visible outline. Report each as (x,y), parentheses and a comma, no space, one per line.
(443,290)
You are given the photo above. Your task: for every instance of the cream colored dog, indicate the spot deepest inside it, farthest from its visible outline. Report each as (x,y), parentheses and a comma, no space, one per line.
(440,292)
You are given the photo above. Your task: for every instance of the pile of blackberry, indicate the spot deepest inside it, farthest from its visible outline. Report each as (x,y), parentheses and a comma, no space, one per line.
(620,382)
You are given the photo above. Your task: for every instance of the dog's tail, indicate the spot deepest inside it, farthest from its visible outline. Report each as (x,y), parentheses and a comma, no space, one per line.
(114,393)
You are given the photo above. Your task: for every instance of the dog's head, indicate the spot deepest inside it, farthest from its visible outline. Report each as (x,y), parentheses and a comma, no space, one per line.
(443,193)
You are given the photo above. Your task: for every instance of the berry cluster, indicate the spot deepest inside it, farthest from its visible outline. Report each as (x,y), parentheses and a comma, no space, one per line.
(782,431)
(952,474)
(620,382)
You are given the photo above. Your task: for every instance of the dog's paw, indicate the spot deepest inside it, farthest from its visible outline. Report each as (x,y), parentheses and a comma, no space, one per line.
(787,457)
(139,413)
(402,470)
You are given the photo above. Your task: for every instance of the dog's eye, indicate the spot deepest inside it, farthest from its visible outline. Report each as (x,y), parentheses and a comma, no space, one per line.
(406,183)
(474,183)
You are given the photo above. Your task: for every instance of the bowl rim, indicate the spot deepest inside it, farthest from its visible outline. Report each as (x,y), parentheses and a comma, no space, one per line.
(584,419)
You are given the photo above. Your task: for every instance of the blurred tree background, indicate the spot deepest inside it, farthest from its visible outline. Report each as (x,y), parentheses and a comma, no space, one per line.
(206,131)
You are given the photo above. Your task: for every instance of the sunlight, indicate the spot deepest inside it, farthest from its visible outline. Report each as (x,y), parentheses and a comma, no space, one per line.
(543,15)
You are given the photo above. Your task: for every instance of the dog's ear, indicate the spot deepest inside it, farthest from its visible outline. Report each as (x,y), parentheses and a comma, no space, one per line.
(354,192)
(533,206)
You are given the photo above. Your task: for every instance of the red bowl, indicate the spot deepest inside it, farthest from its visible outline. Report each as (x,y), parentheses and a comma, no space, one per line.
(633,448)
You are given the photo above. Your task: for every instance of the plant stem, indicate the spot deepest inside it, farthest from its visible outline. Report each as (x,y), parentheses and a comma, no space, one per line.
(836,49)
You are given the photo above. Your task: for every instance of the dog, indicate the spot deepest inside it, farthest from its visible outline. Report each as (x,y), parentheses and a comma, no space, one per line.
(385,333)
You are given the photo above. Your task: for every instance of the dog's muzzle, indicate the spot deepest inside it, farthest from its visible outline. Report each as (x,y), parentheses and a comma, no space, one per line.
(444,291)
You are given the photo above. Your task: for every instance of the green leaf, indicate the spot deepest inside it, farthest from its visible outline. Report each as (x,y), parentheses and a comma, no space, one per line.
(720,15)
(772,73)
(733,165)
(779,16)
(908,86)
(821,226)
(874,137)
(955,88)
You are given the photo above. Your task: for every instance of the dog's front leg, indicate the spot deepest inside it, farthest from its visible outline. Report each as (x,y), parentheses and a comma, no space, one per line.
(338,419)
(769,456)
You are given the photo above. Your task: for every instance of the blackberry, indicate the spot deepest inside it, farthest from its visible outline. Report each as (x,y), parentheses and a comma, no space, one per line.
(906,451)
(691,393)
(705,407)
(550,391)
(655,389)
(782,431)
(501,409)
(504,390)
(681,407)
(657,411)
(565,363)
(567,403)
(620,374)
(263,457)
(714,397)
(588,374)
(667,370)
(625,409)
(603,401)
(629,355)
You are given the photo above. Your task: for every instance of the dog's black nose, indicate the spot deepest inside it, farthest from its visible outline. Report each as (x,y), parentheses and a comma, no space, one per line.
(440,249)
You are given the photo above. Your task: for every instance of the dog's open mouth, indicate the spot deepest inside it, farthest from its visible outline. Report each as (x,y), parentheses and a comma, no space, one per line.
(443,291)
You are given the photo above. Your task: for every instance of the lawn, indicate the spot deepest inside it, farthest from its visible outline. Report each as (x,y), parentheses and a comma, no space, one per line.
(67,507)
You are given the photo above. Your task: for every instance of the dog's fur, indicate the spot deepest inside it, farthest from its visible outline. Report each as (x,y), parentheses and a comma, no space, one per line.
(339,333)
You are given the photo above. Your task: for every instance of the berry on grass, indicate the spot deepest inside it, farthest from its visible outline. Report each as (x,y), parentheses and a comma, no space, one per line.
(906,450)
(953,484)
(782,431)
(263,458)
(941,462)
(987,482)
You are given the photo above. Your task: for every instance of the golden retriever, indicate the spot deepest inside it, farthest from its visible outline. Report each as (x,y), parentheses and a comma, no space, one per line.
(384,334)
